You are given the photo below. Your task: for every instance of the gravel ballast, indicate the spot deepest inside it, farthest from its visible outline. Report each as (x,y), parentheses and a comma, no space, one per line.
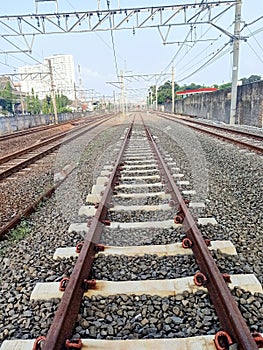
(230,192)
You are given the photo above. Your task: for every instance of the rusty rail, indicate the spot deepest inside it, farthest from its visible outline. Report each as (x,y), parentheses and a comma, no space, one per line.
(6,172)
(32,207)
(226,308)
(64,321)
(35,129)
(223,137)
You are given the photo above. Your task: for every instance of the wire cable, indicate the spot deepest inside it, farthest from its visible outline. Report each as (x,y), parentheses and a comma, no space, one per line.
(113,44)
(208,62)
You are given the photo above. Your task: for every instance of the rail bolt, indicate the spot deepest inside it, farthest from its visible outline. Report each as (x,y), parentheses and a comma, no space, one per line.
(105,222)
(99,248)
(187,243)
(73,344)
(258,339)
(222,340)
(171,203)
(226,277)
(63,284)
(79,247)
(208,242)
(39,342)
(200,279)
(89,284)
(178,219)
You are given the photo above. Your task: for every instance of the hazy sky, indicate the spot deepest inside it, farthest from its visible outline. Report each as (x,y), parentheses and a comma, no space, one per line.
(142,52)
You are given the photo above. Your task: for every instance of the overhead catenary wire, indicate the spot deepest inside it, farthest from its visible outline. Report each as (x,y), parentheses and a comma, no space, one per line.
(113,44)
(251,47)
(211,60)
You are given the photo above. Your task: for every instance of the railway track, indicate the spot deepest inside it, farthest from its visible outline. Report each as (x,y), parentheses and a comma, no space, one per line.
(30,206)
(139,192)
(250,140)
(36,130)
(18,160)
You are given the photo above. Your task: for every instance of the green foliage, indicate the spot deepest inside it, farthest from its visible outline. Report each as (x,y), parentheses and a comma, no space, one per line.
(251,79)
(46,105)
(15,235)
(20,231)
(224,86)
(8,97)
(62,102)
(33,104)
(164,92)
(191,86)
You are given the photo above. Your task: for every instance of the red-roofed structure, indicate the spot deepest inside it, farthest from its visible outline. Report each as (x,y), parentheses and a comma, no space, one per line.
(196,91)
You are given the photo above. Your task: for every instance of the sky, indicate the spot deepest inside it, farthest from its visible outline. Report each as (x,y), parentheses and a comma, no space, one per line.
(140,51)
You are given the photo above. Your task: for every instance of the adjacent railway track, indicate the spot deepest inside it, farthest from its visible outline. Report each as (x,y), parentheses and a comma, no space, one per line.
(36,130)
(241,138)
(18,160)
(141,172)
(33,156)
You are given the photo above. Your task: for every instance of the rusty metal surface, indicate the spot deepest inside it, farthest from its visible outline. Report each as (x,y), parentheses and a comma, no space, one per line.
(67,313)
(23,163)
(226,308)
(31,208)
(223,137)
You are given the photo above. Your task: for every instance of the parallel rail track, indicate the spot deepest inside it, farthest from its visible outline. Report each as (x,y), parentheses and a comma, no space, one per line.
(16,161)
(32,207)
(234,329)
(241,138)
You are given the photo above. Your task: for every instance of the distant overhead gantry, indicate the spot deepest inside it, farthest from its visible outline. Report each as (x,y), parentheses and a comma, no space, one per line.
(161,17)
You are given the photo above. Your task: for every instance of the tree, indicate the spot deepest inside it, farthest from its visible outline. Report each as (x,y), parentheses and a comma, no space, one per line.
(164,92)
(191,86)
(33,104)
(62,102)
(8,97)
(251,79)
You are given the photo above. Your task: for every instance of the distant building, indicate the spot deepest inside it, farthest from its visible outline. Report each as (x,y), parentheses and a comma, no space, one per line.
(38,77)
(195,91)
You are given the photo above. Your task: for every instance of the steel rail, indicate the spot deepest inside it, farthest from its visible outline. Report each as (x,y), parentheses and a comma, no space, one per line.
(35,130)
(64,321)
(221,127)
(224,138)
(7,172)
(45,142)
(226,308)
(32,207)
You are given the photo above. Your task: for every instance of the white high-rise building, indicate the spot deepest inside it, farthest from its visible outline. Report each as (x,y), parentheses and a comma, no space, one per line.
(39,77)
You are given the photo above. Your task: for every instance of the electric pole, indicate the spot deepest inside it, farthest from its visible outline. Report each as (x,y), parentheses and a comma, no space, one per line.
(122,94)
(236,44)
(156,97)
(173,89)
(53,96)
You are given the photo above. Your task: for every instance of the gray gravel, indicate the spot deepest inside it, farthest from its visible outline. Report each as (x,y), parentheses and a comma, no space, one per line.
(29,260)
(125,268)
(120,317)
(142,317)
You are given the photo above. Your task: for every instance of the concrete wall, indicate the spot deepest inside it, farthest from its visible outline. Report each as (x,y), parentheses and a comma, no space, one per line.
(216,105)
(21,122)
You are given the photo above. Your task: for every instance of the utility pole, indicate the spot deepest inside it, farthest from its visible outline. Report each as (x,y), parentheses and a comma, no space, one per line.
(156,97)
(236,44)
(173,89)
(53,96)
(122,94)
